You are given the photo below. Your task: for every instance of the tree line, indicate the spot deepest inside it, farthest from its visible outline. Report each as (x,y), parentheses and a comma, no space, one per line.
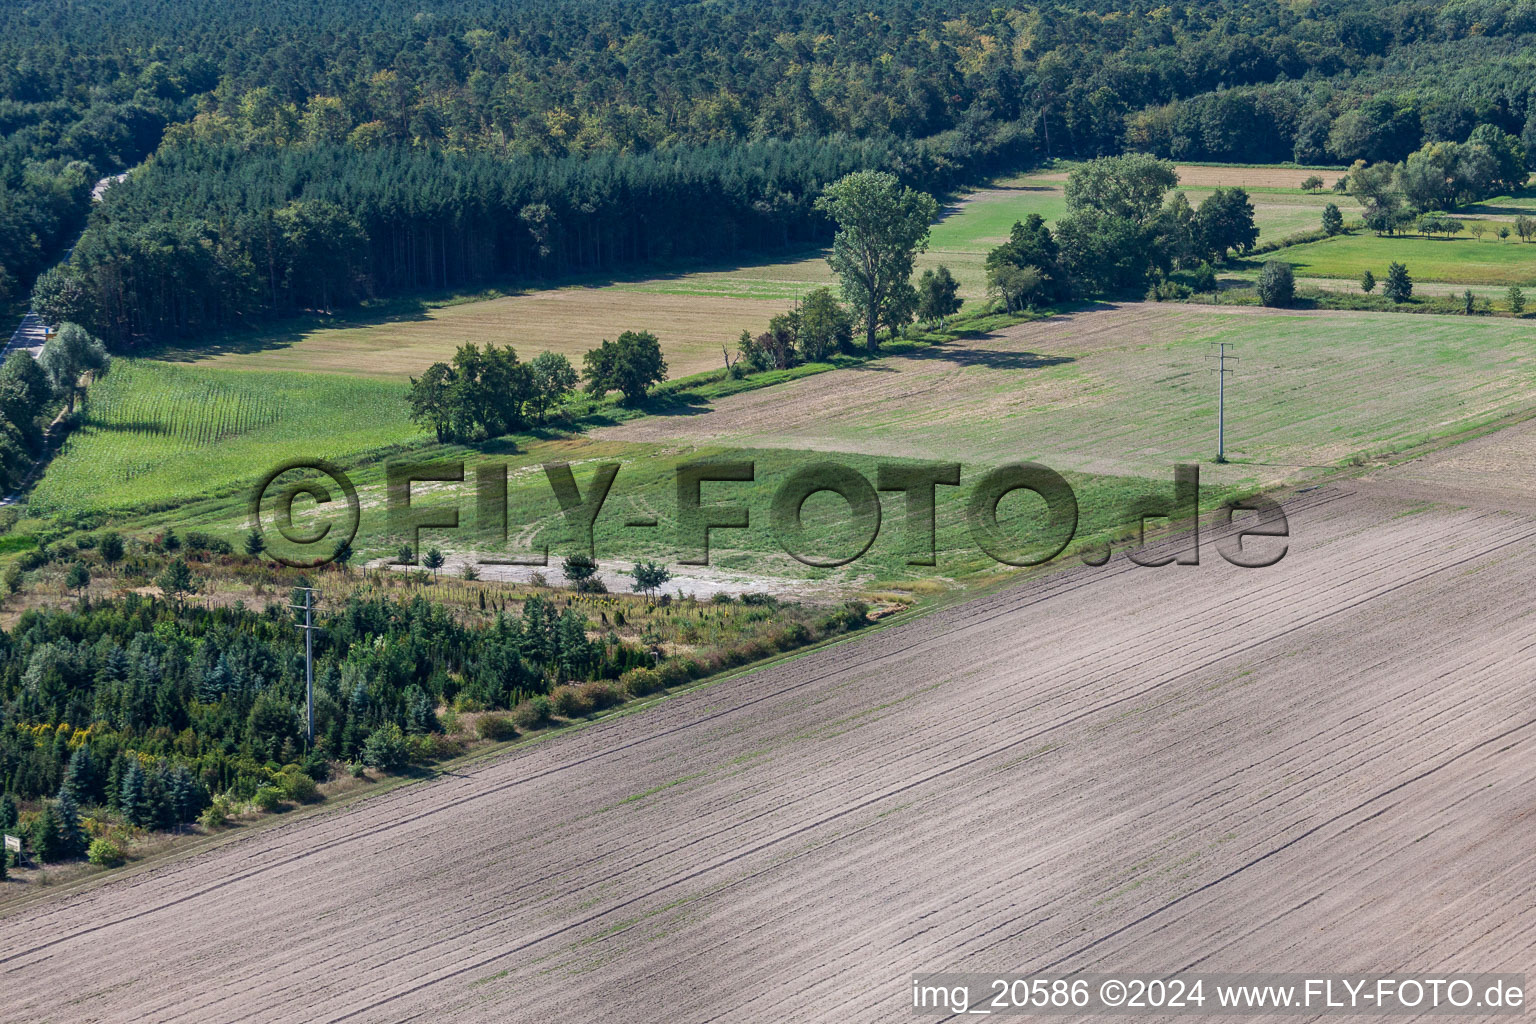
(319,157)
(213,236)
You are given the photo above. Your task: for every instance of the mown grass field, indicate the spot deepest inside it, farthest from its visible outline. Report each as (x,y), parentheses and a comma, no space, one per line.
(1111,397)
(1458,260)
(1130,390)
(697,312)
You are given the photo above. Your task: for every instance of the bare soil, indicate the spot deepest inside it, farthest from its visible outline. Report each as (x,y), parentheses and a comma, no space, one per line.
(1325,765)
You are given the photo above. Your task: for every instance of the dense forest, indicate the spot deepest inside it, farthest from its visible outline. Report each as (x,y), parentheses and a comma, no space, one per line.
(438,145)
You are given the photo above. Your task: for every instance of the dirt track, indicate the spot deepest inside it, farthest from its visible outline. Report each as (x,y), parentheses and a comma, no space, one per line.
(1327,765)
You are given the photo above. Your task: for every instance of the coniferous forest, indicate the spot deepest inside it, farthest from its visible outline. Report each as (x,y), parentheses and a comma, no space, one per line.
(308,157)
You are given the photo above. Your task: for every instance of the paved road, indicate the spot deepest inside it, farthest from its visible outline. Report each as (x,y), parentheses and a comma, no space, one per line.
(29,334)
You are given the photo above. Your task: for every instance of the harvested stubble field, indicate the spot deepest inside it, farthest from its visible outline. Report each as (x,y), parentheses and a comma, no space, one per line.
(566,320)
(1131,389)
(949,794)
(695,312)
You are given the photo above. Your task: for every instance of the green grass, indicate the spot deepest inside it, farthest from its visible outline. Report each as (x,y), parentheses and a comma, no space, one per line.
(1129,393)
(1461,260)
(646,486)
(156,434)
(968,229)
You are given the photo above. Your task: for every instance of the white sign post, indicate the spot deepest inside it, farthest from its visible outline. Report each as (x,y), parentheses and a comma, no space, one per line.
(13,844)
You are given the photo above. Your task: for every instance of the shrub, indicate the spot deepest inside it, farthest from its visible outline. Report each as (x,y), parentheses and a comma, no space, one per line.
(759,599)
(1333,220)
(640,682)
(385,748)
(431,746)
(600,695)
(723,598)
(105,853)
(532,714)
(496,727)
(196,541)
(1277,283)
(268,798)
(297,786)
(358,769)
(216,815)
(1204,278)
(568,702)
(676,671)
(796,634)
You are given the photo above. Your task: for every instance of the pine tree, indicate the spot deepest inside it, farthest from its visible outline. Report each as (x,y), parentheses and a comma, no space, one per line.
(71,834)
(45,834)
(134,800)
(8,814)
(183,796)
(80,776)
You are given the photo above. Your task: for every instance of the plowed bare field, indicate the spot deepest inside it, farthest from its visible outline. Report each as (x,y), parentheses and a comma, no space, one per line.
(1326,765)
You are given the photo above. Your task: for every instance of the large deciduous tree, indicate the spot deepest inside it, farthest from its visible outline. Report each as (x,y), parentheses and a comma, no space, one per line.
(631,364)
(1224,222)
(68,356)
(881,227)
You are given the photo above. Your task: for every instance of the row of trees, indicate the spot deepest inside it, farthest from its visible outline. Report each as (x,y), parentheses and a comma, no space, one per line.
(490,393)
(209,236)
(482,394)
(1437,177)
(1121,229)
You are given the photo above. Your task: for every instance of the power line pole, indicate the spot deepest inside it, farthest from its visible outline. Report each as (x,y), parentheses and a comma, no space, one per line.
(309,656)
(1221,398)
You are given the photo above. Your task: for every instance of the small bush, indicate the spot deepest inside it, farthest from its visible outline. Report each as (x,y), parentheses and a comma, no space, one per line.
(196,541)
(601,695)
(385,748)
(431,746)
(297,786)
(268,798)
(758,599)
(532,714)
(568,702)
(1277,283)
(676,671)
(723,598)
(1203,279)
(640,682)
(215,815)
(496,728)
(796,634)
(105,853)
(358,770)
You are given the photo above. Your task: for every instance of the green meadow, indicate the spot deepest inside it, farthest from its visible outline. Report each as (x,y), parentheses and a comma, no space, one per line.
(1458,260)
(156,434)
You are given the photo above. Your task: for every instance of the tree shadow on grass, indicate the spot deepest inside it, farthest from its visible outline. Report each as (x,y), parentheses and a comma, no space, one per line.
(684,403)
(991,358)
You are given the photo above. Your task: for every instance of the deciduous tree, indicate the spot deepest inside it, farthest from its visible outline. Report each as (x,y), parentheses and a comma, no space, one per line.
(881,227)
